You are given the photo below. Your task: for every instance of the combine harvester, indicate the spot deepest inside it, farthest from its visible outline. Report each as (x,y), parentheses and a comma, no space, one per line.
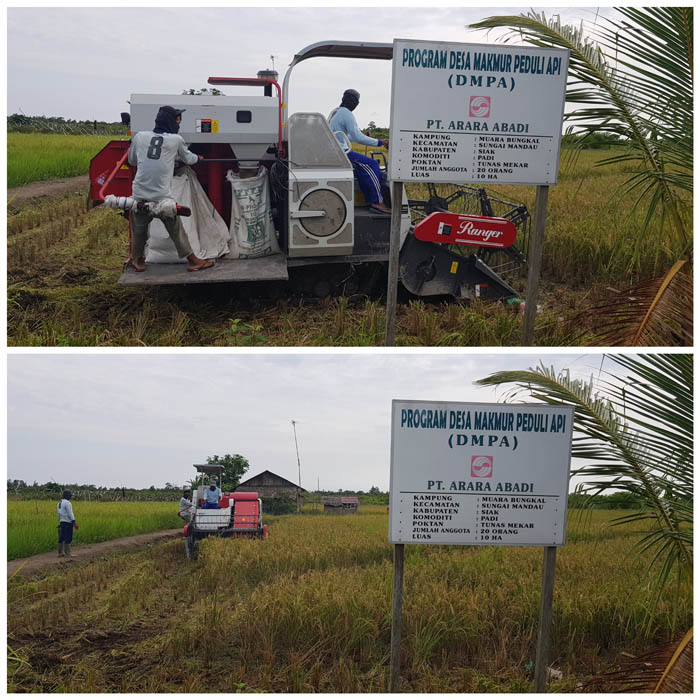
(238,515)
(330,241)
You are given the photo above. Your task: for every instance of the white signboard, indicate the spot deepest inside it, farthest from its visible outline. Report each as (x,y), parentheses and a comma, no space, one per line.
(466,473)
(476,113)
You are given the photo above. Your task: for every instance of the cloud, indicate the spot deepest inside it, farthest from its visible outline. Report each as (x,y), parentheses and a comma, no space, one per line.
(142,419)
(83,63)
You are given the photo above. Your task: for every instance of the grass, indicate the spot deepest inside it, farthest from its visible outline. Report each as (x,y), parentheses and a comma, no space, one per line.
(32,157)
(31,525)
(63,264)
(309,610)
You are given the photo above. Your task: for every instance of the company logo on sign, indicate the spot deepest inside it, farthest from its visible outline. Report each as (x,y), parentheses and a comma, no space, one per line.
(479,106)
(482,467)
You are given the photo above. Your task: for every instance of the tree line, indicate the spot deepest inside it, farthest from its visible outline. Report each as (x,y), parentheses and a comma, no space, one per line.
(21,123)
(235,466)
(19,490)
(592,140)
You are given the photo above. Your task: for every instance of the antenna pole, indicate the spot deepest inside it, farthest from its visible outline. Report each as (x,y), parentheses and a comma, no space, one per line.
(294,426)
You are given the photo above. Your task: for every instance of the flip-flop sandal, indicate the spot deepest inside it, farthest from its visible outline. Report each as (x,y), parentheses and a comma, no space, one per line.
(204,266)
(379,211)
(133,264)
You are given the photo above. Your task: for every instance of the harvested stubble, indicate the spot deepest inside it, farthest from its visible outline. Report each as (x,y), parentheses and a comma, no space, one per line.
(62,282)
(309,610)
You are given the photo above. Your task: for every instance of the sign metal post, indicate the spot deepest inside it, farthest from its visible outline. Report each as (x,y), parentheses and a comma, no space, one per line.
(396,615)
(393,280)
(550,560)
(535,264)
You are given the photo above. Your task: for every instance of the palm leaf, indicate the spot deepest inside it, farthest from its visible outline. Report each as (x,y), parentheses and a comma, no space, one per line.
(637,81)
(656,312)
(638,437)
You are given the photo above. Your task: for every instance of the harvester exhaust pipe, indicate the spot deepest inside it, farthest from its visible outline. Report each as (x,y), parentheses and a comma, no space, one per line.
(268,75)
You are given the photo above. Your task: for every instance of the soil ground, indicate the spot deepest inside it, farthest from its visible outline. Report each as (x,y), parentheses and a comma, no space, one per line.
(43,189)
(49,560)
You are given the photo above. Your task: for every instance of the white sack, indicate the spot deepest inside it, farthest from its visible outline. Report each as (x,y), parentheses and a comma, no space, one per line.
(205,229)
(252,231)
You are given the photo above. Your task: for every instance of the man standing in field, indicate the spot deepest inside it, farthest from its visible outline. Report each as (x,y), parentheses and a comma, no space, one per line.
(66,525)
(366,169)
(153,153)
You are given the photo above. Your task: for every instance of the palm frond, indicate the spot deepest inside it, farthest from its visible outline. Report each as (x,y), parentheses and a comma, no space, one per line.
(637,437)
(656,312)
(637,81)
(678,675)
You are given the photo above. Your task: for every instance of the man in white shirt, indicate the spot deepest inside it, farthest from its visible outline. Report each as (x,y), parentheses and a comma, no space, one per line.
(66,525)
(154,153)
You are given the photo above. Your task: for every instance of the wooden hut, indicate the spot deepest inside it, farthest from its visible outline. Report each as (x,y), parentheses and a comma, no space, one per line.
(337,505)
(270,485)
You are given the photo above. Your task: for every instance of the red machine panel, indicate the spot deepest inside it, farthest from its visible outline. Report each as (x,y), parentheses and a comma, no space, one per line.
(101,167)
(246,514)
(464,229)
(244,496)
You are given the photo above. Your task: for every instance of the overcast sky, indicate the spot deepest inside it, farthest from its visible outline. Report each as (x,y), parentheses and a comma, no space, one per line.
(141,419)
(84,63)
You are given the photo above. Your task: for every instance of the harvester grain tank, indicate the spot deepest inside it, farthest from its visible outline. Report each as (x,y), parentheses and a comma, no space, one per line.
(330,241)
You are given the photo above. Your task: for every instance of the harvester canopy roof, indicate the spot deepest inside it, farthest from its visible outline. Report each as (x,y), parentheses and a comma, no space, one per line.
(336,49)
(210,468)
(346,49)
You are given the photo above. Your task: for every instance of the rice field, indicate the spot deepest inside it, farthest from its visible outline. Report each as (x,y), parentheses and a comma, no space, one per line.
(32,157)
(32,525)
(309,610)
(63,264)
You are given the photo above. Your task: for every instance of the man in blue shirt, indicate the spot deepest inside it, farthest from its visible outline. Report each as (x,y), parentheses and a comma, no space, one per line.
(212,496)
(341,119)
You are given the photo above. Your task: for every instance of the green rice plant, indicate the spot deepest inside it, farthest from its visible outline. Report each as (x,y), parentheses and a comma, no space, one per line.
(32,526)
(32,157)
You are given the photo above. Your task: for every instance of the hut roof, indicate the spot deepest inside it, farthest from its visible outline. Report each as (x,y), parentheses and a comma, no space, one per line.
(276,478)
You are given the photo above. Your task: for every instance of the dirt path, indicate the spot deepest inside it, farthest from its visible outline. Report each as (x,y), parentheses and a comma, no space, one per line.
(35,191)
(84,552)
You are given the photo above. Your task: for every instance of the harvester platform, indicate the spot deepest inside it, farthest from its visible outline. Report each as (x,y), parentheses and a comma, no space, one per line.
(271,267)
